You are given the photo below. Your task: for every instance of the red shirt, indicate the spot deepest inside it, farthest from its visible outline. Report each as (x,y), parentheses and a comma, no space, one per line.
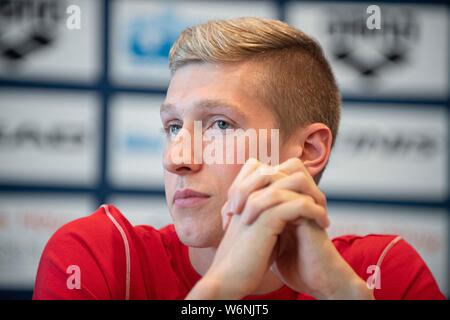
(117,260)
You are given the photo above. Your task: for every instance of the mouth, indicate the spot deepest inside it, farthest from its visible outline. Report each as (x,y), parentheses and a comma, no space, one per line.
(188,198)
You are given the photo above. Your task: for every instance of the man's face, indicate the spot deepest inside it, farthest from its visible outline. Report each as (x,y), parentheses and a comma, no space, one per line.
(221,97)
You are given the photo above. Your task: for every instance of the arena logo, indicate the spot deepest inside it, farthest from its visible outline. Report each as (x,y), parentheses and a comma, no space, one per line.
(368,51)
(62,137)
(418,144)
(135,142)
(28,26)
(150,37)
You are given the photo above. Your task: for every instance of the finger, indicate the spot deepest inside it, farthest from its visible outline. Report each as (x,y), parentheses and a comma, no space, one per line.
(291,211)
(250,165)
(262,200)
(255,181)
(294,165)
(291,165)
(225,214)
(300,182)
(226,220)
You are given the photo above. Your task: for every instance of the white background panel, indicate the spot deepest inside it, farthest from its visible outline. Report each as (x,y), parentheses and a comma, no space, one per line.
(391,152)
(143,32)
(27,221)
(49,137)
(69,54)
(417,36)
(136,141)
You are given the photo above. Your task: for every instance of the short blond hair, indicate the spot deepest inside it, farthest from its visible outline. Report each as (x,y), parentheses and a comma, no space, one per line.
(298,85)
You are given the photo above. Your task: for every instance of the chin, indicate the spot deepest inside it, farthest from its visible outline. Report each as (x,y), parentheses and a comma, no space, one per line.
(201,235)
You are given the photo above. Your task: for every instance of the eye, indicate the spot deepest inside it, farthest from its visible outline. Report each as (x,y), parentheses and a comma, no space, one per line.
(172,129)
(221,124)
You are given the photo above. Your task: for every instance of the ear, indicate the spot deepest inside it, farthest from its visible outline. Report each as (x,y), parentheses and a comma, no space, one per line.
(316,140)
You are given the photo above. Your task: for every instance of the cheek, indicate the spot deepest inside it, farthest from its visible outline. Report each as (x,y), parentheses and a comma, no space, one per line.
(226,174)
(288,151)
(169,182)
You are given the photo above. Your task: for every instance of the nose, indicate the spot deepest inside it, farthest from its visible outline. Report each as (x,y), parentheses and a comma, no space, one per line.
(183,153)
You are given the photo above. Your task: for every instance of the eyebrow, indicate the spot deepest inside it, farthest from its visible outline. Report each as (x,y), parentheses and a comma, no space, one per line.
(209,105)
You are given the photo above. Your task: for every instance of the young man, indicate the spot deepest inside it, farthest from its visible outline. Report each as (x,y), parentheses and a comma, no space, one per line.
(240,230)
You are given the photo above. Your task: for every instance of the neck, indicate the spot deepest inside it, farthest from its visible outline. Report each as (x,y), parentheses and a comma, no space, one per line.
(202,258)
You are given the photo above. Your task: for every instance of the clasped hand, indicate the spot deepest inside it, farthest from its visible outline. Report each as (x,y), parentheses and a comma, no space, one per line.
(276,218)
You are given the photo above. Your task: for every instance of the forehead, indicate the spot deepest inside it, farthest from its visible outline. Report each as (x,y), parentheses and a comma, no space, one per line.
(206,85)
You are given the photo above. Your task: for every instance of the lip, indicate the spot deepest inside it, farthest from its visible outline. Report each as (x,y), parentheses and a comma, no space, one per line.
(187,198)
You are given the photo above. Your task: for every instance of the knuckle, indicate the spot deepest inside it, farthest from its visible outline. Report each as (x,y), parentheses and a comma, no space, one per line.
(304,202)
(263,170)
(276,176)
(324,213)
(252,202)
(296,162)
(251,161)
(300,176)
(251,197)
(262,176)
(239,189)
(323,216)
(235,190)
(275,194)
(301,203)
(323,197)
